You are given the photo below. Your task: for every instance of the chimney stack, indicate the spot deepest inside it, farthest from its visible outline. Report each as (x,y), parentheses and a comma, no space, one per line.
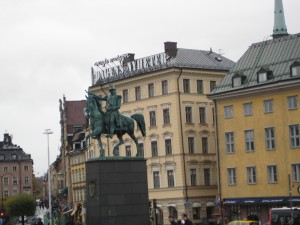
(171,48)
(128,59)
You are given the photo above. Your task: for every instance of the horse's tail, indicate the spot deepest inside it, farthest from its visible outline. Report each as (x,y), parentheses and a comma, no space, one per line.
(139,118)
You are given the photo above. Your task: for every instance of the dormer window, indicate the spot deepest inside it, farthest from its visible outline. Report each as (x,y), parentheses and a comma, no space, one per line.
(295,69)
(14,156)
(264,75)
(2,157)
(238,79)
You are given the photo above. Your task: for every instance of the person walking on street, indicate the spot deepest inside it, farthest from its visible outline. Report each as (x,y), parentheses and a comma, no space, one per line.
(39,222)
(185,220)
(171,220)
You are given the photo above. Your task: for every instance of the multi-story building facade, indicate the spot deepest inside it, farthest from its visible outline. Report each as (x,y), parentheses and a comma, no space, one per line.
(258,123)
(77,166)
(72,121)
(170,89)
(16,169)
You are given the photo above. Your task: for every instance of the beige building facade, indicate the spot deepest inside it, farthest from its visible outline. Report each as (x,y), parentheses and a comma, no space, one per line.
(180,139)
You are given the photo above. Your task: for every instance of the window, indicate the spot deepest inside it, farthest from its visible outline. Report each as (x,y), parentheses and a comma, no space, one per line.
(237,82)
(154,148)
(196,213)
(125,95)
(141,147)
(15,180)
(248,109)
(251,174)
(294,136)
(193,177)
(188,114)
(26,180)
(14,168)
(15,192)
(191,145)
(231,176)
(204,145)
(128,150)
(249,140)
(229,138)
(152,119)
(292,102)
(202,115)
(5,168)
(228,111)
(296,172)
(270,138)
(166,116)
(2,157)
(268,106)
(168,146)
(151,90)
(212,85)
(5,193)
(5,180)
(262,77)
(272,174)
(186,85)
(199,86)
(206,177)
(295,69)
(164,87)
(138,95)
(170,175)
(14,156)
(156,182)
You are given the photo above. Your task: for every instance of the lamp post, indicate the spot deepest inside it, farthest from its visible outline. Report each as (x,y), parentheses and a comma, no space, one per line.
(47,132)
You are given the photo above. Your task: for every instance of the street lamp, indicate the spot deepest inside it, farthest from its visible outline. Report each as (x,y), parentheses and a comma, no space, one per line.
(47,132)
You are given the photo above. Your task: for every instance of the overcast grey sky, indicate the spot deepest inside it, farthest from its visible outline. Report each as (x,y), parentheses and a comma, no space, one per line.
(48,46)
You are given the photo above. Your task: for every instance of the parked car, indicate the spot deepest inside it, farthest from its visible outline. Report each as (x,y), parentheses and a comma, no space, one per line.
(243,222)
(20,219)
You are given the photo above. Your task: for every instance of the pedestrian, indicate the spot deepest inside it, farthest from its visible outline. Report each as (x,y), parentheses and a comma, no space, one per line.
(39,222)
(185,220)
(171,220)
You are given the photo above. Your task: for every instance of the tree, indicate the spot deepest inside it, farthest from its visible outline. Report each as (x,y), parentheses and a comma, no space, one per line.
(20,205)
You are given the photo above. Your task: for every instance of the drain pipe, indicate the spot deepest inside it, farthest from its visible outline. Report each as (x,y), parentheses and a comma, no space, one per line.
(181,129)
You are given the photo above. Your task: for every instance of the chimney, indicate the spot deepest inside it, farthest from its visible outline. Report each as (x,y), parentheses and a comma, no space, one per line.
(171,48)
(128,59)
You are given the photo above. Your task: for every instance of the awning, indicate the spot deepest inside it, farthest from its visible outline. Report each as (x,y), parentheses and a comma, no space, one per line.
(256,200)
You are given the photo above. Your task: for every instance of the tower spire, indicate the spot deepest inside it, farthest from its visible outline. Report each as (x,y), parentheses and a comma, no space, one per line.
(279,28)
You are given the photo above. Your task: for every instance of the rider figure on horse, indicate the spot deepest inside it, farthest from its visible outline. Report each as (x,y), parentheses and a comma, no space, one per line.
(113,104)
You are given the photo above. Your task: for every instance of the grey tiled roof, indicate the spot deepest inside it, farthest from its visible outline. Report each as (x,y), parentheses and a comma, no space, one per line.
(185,58)
(200,59)
(277,55)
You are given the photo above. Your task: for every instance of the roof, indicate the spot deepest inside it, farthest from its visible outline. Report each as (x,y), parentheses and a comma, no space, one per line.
(12,152)
(185,58)
(276,55)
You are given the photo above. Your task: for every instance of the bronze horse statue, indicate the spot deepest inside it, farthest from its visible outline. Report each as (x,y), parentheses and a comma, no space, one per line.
(99,125)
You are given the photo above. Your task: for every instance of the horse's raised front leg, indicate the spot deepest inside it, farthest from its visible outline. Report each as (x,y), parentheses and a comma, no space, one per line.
(116,148)
(102,153)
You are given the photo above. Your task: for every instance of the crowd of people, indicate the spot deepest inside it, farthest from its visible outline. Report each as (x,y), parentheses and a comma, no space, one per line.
(183,221)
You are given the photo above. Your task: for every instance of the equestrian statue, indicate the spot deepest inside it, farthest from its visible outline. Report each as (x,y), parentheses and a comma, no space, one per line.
(110,121)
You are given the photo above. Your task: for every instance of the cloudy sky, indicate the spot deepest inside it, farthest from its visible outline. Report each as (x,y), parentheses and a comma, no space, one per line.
(48,46)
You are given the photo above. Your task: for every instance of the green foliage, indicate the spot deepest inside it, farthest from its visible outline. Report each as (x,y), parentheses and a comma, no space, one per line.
(21,204)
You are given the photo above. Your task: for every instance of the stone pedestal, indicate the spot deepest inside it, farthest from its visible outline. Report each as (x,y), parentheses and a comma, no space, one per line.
(117,192)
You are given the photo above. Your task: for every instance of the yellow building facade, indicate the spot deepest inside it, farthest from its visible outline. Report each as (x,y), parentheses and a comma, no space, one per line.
(179,146)
(258,121)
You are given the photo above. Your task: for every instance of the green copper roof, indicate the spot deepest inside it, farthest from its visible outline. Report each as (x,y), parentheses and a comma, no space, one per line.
(277,55)
(279,28)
